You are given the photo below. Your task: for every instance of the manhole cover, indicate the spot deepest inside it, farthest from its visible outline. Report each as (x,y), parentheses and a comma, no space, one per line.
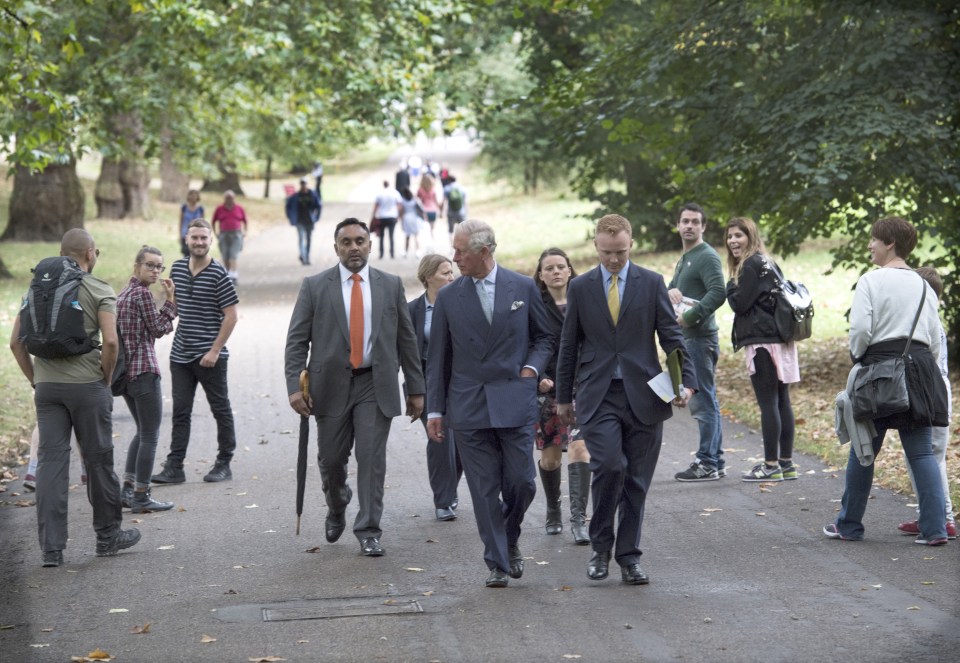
(323,608)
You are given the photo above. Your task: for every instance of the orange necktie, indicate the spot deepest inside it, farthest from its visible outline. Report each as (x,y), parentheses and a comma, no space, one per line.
(356,322)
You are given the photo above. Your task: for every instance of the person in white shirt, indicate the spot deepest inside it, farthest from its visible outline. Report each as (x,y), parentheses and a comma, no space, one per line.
(385,212)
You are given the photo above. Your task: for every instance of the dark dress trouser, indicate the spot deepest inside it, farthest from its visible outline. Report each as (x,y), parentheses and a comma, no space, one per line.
(623,457)
(443,468)
(498,461)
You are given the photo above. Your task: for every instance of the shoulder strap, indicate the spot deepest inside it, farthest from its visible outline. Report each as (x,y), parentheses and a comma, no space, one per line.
(916,318)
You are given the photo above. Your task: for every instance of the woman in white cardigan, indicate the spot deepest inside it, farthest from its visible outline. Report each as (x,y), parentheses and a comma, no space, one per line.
(884,306)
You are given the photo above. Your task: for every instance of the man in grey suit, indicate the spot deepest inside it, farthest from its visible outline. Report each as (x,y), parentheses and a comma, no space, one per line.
(489,340)
(613,313)
(351,330)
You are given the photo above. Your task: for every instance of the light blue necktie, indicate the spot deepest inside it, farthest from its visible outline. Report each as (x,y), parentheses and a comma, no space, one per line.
(485,302)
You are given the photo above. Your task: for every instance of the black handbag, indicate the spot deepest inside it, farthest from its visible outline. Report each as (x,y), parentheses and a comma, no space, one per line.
(793,310)
(880,389)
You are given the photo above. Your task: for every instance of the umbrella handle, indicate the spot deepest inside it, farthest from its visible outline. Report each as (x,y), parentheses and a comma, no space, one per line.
(305,383)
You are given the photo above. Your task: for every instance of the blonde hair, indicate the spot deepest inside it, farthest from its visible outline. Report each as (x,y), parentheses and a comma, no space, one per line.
(613,224)
(429,265)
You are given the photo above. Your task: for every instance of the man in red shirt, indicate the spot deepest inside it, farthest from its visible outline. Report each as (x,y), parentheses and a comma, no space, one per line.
(232,222)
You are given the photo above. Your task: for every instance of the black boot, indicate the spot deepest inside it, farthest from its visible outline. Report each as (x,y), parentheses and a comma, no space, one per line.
(579,478)
(144,503)
(551,490)
(172,473)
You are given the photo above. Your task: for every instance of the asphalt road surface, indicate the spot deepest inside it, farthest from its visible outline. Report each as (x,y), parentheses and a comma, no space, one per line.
(739,572)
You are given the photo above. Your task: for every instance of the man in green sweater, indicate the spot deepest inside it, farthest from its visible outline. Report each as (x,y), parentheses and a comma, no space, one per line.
(697,290)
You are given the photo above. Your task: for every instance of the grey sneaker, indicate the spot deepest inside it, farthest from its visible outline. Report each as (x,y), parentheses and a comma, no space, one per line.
(123,539)
(697,472)
(219,472)
(760,472)
(52,558)
(144,503)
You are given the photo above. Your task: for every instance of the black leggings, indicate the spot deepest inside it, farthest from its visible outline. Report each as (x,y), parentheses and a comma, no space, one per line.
(776,414)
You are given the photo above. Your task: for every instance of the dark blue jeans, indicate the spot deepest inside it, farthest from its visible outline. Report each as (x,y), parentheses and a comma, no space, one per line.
(184,379)
(704,352)
(304,232)
(146,405)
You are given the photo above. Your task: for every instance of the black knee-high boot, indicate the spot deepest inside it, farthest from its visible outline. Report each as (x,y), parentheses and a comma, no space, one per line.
(579,480)
(551,490)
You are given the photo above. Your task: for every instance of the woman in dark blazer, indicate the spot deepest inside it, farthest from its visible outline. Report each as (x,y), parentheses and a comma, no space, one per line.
(443,462)
(554,272)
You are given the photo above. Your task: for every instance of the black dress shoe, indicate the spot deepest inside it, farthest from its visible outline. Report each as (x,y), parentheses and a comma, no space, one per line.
(52,558)
(446,514)
(599,565)
(632,574)
(371,547)
(497,578)
(516,561)
(334,526)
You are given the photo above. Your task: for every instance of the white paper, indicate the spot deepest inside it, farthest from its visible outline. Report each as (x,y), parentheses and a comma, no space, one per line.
(662,386)
(685,305)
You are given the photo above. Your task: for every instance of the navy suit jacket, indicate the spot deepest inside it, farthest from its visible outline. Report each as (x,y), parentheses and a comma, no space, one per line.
(473,368)
(592,344)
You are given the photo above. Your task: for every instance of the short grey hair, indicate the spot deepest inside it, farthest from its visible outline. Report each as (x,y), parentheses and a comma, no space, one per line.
(479,235)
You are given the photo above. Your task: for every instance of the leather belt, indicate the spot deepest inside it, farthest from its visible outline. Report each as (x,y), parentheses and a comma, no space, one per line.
(361,371)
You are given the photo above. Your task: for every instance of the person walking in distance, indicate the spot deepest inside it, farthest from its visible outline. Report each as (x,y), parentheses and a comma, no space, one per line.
(351,329)
(489,341)
(303,211)
(615,314)
(386,210)
(455,203)
(232,222)
(207,305)
(72,394)
(696,291)
(190,210)
(139,323)
(553,274)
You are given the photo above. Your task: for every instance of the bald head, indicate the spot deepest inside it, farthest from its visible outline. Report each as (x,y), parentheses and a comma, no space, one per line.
(78,244)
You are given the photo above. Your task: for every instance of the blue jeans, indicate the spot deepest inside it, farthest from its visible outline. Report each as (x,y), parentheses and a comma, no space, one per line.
(919,452)
(704,352)
(304,231)
(146,404)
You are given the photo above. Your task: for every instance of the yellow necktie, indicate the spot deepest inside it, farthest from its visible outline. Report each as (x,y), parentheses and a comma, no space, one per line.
(613,299)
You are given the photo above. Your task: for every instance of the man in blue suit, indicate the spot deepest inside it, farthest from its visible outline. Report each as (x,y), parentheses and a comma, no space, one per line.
(607,343)
(488,343)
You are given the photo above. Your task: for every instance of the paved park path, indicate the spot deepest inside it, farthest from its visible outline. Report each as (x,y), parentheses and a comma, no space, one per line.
(739,572)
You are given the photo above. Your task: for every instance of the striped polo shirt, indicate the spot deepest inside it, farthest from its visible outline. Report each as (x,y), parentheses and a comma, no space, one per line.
(200,303)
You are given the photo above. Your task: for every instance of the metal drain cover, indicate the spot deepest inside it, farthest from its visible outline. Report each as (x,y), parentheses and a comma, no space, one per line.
(322,608)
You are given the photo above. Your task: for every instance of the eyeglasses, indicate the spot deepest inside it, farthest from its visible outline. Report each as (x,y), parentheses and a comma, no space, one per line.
(152,266)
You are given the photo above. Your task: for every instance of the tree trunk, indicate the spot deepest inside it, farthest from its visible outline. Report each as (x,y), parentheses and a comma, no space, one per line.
(174,184)
(123,188)
(266,183)
(109,192)
(46,204)
(4,272)
(229,177)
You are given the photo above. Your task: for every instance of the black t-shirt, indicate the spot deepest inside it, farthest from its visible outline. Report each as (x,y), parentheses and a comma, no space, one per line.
(304,203)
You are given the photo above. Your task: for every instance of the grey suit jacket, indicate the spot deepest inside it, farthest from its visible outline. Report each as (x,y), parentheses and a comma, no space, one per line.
(592,345)
(474,367)
(319,339)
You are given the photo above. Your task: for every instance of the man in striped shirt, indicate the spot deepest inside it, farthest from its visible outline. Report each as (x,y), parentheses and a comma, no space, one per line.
(207,304)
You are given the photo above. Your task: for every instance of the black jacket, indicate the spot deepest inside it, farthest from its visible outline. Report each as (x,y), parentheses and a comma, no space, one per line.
(555,324)
(753,303)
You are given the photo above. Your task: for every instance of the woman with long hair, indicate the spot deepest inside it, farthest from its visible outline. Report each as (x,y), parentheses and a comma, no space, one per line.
(139,323)
(553,274)
(427,195)
(443,461)
(885,304)
(771,363)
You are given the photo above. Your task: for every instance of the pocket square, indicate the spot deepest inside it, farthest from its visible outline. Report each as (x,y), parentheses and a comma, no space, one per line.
(516,305)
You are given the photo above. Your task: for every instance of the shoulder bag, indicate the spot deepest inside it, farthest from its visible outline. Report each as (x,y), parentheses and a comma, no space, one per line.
(880,389)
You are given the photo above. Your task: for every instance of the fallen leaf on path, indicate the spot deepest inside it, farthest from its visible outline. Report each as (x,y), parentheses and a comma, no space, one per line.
(99,655)
(712,509)
(302,642)
(429,592)
(231,591)
(315,549)
(207,639)
(239,566)
(136,521)
(764,489)
(914,607)
(25,503)
(929,558)
(877,586)
(39,646)
(250,506)
(571,655)
(564,588)
(182,509)
(414,569)
(390,602)
(115,610)
(761,513)
(543,563)
(432,541)
(166,547)
(707,620)
(927,582)
(265,659)
(140,630)
(43,630)
(241,494)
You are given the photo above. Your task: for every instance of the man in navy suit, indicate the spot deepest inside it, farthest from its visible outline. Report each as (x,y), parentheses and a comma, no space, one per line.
(607,342)
(488,343)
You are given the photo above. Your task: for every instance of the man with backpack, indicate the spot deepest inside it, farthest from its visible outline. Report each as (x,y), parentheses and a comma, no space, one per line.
(455,202)
(68,323)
